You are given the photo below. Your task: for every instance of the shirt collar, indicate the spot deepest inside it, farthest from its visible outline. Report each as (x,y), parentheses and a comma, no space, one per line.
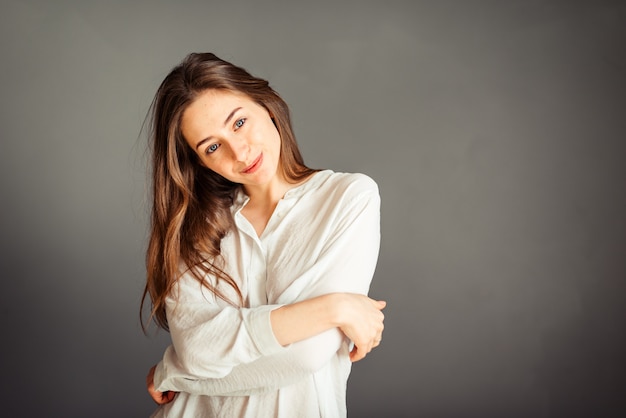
(241,198)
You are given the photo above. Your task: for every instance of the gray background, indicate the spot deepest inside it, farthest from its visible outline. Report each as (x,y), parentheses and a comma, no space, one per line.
(495,129)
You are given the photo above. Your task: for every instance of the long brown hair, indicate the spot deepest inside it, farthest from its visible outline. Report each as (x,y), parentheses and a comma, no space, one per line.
(191,204)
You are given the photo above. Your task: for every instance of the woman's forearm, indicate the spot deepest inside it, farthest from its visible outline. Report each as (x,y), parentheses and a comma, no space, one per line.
(301,320)
(357,316)
(302,324)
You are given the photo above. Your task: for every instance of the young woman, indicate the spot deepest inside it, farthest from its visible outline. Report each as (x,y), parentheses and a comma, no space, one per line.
(257,265)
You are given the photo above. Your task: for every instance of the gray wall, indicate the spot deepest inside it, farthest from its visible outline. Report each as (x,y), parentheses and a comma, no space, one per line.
(495,129)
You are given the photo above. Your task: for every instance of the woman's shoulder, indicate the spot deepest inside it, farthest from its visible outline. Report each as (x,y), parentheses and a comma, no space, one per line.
(348,182)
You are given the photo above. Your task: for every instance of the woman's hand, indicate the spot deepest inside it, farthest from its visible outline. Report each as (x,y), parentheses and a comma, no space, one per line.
(361,320)
(161,398)
(357,316)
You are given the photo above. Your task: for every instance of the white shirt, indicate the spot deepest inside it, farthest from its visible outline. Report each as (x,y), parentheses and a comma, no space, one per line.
(323,237)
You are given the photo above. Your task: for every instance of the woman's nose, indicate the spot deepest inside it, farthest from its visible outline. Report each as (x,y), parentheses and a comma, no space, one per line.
(241,150)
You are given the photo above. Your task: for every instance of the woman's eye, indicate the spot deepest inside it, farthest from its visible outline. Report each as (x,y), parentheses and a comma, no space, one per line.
(239,123)
(212,148)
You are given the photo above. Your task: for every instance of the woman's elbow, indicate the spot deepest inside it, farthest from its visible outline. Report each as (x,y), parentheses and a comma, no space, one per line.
(314,353)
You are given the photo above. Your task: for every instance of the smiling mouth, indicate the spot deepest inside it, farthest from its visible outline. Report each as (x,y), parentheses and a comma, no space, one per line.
(254,166)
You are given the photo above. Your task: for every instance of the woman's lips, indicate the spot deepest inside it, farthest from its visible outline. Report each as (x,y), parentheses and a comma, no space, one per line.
(254,166)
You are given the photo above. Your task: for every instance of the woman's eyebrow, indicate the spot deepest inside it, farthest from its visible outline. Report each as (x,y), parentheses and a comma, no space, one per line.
(230,116)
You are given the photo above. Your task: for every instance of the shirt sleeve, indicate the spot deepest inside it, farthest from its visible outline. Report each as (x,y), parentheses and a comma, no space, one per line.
(209,339)
(345,264)
(265,374)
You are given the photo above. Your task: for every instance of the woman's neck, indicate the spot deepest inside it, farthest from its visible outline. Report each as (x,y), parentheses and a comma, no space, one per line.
(263,201)
(267,194)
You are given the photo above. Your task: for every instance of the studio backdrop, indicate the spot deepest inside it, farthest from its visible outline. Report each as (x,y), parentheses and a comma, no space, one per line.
(495,130)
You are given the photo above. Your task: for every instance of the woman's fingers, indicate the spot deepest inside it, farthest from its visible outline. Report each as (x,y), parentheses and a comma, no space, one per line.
(161,398)
(167,397)
(358,353)
(364,325)
(360,350)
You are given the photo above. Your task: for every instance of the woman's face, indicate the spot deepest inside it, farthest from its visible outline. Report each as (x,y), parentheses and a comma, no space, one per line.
(233,136)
